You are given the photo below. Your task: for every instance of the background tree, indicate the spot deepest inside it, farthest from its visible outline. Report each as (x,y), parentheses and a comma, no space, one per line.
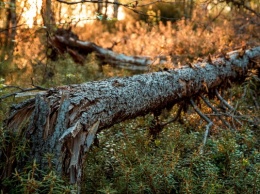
(8,28)
(47,15)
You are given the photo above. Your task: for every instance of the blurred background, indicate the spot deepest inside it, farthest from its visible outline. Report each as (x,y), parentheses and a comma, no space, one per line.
(180,30)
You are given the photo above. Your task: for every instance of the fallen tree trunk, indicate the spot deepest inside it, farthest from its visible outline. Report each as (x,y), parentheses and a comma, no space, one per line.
(64,120)
(80,49)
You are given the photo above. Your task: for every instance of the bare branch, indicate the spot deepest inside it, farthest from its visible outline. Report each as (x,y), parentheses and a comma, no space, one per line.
(226,103)
(254,99)
(22,90)
(208,126)
(236,3)
(233,110)
(235,115)
(36,86)
(240,4)
(177,116)
(215,111)
(212,20)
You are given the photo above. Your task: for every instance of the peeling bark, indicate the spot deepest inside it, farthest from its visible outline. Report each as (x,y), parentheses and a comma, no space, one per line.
(64,120)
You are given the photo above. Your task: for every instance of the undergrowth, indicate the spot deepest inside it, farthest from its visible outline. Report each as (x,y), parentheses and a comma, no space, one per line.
(129,161)
(34,180)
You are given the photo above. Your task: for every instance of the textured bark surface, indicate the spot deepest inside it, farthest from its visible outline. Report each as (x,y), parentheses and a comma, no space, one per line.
(64,120)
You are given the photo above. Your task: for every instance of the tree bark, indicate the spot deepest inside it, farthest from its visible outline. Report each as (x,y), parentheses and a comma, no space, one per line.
(47,15)
(116,6)
(80,49)
(9,33)
(64,120)
(100,7)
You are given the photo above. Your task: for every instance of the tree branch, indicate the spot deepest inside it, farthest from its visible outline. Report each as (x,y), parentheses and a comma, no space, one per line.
(177,116)
(208,126)
(215,111)
(26,91)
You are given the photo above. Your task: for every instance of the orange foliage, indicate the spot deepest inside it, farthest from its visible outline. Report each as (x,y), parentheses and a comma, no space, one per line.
(183,41)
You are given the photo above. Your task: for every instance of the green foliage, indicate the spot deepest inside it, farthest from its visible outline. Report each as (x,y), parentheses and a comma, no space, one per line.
(30,179)
(64,71)
(127,161)
(3,105)
(5,67)
(9,5)
(33,180)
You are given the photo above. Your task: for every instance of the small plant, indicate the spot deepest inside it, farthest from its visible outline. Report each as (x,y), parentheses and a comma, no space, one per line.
(33,180)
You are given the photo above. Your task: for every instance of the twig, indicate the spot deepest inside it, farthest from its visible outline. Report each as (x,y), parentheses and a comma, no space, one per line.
(212,20)
(210,123)
(38,87)
(226,104)
(178,114)
(22,90)
(215,111)
(6,29)
(254,99)
(246,7)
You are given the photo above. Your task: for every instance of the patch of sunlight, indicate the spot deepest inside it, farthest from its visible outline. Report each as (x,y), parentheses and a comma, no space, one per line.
(121,14)
(30,11)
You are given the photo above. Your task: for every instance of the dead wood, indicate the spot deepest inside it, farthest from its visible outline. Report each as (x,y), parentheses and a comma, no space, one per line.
(64,120)
(66,41)
(208,126)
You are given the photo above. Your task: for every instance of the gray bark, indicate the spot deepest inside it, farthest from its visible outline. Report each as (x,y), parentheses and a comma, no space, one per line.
(79,49)
(64,120)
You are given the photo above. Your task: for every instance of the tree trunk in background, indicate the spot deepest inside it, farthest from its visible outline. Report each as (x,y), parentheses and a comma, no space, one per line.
(12,22)
(7,40)
(106,6)
(115,14)
(191,9)
(184,9)
(47,15)
(68,42)
(64,120)
(100,6)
